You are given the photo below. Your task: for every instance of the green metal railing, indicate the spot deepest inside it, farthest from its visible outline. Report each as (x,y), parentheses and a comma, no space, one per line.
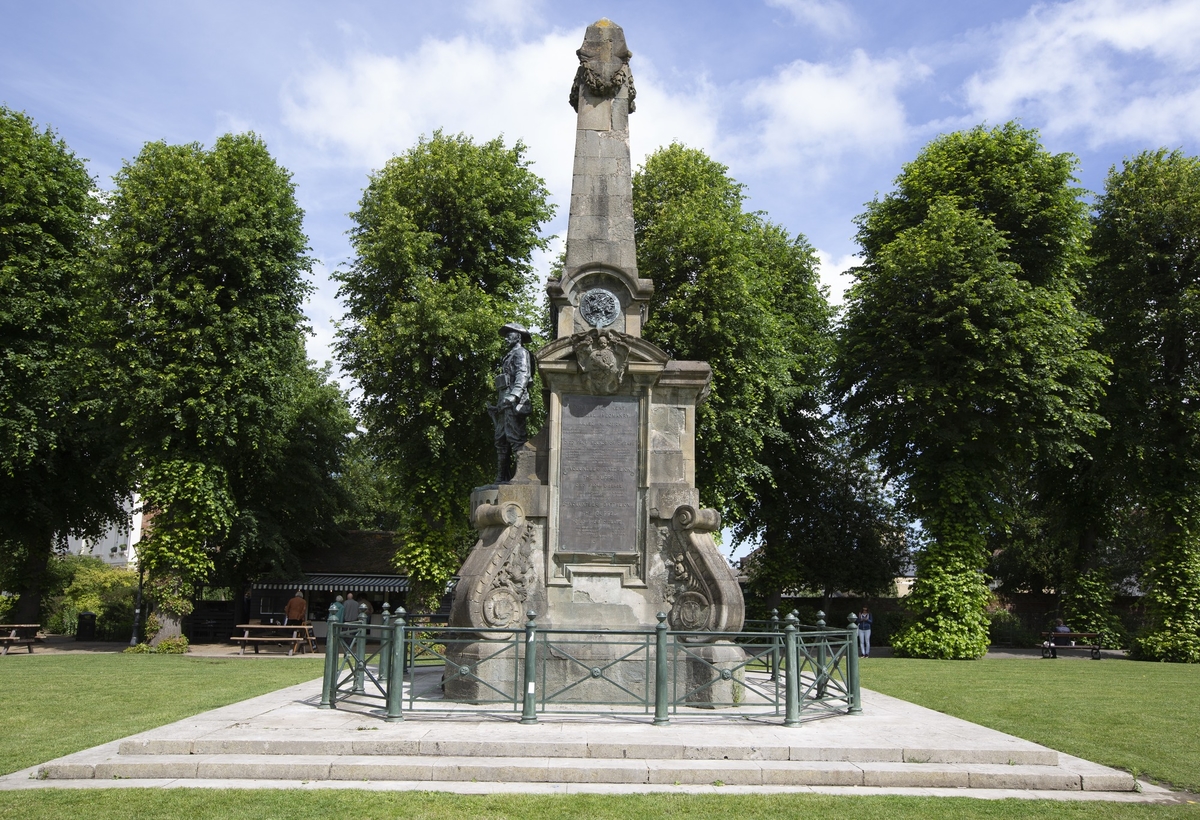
(774,668)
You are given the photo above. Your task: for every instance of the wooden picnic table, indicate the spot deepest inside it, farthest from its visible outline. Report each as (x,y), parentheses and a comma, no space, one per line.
(297,636)
(18,635)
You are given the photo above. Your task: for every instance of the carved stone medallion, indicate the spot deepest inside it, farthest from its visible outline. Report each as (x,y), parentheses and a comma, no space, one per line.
(501,608)
(599,307)
(692,611)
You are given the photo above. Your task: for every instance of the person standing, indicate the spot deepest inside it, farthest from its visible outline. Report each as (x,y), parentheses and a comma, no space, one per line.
(339,612)
(296,610)
(350,613)
(864,632)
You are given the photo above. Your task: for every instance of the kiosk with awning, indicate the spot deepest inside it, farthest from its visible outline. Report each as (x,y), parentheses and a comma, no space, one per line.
(269,597)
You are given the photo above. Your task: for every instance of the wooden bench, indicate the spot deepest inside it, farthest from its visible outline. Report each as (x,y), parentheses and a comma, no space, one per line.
(18,635)
(1091,641)
(295,636)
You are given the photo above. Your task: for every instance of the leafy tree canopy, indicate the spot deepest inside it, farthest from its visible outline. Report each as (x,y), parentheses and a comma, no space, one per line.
(963,355)
(736,291)
(443,240)
(206,264)
(837,530)
(1146,290)
(59,443)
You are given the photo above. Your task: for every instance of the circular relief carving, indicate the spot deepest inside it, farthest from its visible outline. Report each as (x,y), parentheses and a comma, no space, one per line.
(692,611)
(726,674)
(501,608)
(599,307)
(596,672)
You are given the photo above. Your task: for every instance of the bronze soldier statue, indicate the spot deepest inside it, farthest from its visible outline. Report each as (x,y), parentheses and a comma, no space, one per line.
(511,411)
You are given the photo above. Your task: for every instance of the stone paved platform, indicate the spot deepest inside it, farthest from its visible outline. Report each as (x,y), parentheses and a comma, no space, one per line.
(281,740)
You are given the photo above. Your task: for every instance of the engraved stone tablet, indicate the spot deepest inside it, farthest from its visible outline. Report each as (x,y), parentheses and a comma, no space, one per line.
(598,474)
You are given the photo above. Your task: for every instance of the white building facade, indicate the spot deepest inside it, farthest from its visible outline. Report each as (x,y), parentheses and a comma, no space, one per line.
(118,545)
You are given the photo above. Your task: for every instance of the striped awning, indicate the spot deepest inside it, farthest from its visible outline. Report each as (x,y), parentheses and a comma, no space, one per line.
(341,583)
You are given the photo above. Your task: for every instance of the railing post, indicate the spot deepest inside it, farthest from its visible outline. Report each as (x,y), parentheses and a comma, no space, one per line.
(385,643)
(529,713)
(360,649)
(329,684)
(852,668)
(775,644)
(791,674)
(662,667)
(822,656)
(395,688)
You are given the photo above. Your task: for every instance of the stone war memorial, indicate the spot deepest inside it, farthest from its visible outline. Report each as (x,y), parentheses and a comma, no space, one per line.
(596,522)
(595,597)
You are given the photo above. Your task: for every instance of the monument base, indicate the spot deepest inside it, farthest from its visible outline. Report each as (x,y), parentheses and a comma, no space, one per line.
(587,669)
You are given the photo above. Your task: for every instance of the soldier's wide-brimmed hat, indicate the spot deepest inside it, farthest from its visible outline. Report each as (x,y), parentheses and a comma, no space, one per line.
(526,336)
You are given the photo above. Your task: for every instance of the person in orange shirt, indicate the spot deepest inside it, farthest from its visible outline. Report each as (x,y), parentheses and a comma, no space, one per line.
(296,610)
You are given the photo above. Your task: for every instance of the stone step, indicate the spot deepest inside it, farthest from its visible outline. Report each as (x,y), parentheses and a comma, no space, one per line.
(526,769)
(362,744)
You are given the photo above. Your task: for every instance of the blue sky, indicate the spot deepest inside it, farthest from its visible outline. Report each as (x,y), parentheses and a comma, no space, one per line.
(813,104)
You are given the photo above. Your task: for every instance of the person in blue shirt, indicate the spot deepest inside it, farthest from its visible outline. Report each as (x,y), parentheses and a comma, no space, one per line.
(1059,629)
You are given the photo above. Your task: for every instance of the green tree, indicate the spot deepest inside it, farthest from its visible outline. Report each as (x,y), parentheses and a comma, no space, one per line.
(736,291)
(295,499)
(1145,288)
(443,241)
(963,357)
(59,443)
(834,528)
(83,583)
(205,262)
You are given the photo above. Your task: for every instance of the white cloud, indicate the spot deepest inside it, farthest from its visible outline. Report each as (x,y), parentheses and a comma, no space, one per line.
(1111,69)
(812,113)
(835,274)
(827,16)
(365,109)
(509,15)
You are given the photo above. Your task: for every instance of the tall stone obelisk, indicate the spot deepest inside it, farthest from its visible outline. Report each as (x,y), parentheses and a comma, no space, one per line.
(602,526)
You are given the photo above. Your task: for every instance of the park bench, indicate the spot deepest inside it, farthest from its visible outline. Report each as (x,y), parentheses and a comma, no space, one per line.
(1087,640)
(294,636)
(18,635)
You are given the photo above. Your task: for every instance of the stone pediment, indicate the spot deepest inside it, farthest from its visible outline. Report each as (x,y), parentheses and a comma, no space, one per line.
(561,352)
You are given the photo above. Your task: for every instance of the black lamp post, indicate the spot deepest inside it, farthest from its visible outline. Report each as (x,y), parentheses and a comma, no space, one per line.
(137,609)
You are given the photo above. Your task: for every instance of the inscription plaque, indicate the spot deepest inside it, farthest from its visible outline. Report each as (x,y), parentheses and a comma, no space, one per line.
(598,474)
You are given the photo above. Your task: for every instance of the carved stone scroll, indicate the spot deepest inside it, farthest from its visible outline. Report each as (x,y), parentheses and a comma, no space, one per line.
(498,578)
(701,588)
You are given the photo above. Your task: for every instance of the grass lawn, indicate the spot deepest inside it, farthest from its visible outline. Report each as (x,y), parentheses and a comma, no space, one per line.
(1143,717)
(244,804)
(56,704)
(52,705)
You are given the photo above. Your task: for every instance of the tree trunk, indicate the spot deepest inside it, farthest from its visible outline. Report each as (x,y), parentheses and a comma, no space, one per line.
(33,575)
(170,626)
